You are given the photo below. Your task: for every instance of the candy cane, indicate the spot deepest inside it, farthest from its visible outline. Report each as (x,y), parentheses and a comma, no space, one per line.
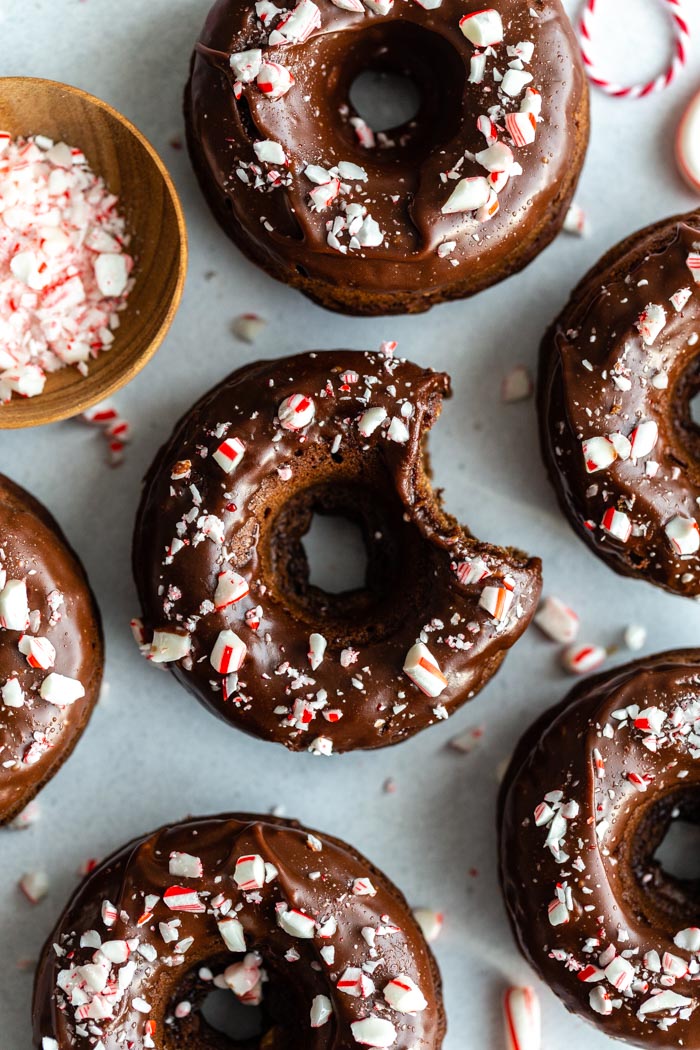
(682,40)
(522,1019)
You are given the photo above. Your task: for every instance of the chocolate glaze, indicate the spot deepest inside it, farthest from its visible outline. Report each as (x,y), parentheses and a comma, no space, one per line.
(597,377)
(405,188)
(415,552)
(621,895)
(164,972)
(36,738)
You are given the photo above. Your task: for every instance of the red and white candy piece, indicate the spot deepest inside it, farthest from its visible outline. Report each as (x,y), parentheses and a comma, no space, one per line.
(245,65)
(60,690)
(422,668)
(321,1007)
(297,26)
(274,80)
(683,534)
(249,873)
(317,650)
(482,28)
(296,412)
(643,438)
(688,940)
(522,128)
(557,620)
(232,934)
(185,866)
(247,327)
(430,922)
(178,898)
(580,659)
(228,653)
(403,995)
(693,264)
(12,693)
(229,454)
(297,924)
(602,81)
(168,646)
(468,195)
(14,606)
(598,453)
(496,600)
(374,1031)
(521,1008)
(517,385)
(39,652)
(34,885)
(688,144)
(355,983)
(616,523)
(230,588)
(651,323)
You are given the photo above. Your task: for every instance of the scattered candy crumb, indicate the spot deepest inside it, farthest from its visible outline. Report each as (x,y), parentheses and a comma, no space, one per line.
(34,885)
(248,327)
(517,385)
(635,637)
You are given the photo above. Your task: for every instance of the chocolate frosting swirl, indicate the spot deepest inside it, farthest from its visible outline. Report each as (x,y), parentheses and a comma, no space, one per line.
(424,256)
(361,456)
(601,377)
(36,736)
(129,924)
(586,801)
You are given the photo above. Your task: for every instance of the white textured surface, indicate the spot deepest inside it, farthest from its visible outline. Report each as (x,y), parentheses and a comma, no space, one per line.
(152,754)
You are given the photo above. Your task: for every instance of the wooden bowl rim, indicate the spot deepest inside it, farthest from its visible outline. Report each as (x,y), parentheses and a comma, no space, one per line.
(80,404)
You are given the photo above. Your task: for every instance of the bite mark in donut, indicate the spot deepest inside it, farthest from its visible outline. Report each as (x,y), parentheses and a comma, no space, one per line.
(618,372)
(462,195)
(292,921)
(588,797)
(223,576)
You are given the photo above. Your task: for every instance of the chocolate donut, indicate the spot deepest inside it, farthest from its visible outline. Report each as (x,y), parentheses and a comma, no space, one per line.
(463,195)
(224,581)
(51,654)
(588,797)
(290,920)
(618,370)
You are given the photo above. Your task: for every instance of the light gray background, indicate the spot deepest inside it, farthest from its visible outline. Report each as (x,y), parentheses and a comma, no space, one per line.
(152,754)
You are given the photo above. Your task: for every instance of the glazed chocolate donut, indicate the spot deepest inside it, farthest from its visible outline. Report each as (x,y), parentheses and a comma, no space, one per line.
(618,371)
(587,800)
(51,654)
(463,195)
(294,921)
(224,581)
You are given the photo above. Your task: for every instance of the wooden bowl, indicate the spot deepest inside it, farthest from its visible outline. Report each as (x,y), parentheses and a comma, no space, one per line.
(132,170)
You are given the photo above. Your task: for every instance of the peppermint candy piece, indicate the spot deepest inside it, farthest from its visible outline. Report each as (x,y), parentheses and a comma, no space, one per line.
(404,995)
(482,28)
(246,64)
(598,453)
(422,668)
(297,924)
(230,588)
(228,653)
(683,534)
(616,523)
(14,606)
(321,1007)
(643,438)
(232,934)
(317,650)
(374,1031)
(296,412)
(185,866)
(229,454)
(249,873)
(168,646)
(468,195)
(60,690)
(523,1024)
(688,939)
(651,323)
(274,80)
(580,659)
(557,620)
(178,898)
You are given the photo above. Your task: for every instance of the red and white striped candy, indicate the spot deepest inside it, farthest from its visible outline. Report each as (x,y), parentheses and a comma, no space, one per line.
(557,620)
(317,650)
(321,1007)
(576,221)
(421,667)
(12,693)
(370,420)
(616,523)
(298,25)
(472,571)
(598,453)
(39,652)
(178,898)
(14,606)
(403,995)
(482,28)
(651,323)
(355,983)
(274,80)
(620,973)
(496,601)
(297,924)
(374,1031)
(580,659)
(296,412)
(498,157)
(60,690)
(228,653)
(600,1001)
(246,64)
(693,264)
(168,646)
(557,912)
(430,922)
(230,588)
(643,438)
(688,939)
(109,914)
(521,1009)
(229,454)
(232,934)
(249,873)
(185,866)
(683,534)
(688,144)
(363,888)
(34,885)
(468,195)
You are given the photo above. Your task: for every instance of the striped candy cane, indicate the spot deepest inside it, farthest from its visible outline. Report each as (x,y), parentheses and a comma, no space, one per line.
(521,1008)
(680,57)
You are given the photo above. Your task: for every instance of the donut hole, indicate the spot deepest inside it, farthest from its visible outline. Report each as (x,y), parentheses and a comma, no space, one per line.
(225,1014)
(665,883)
(385,100)
(365,570)
(336,554)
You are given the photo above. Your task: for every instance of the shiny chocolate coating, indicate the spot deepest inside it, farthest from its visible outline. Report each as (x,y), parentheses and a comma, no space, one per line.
(362,457)
(422,256)
(163,927)
(36,736)
(600,378)
(589,795)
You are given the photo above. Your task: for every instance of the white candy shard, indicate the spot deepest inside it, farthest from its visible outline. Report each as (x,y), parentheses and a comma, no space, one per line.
(643,438)
(683,534)
(557,620)
(111,274)
(617,523)
(430,922)
(321,1007)
(296,924)
(168,646)
(269,152)
(523,1025)
(296,412)
(230,588)
(249,873)
(246,64)
(317,650)
(374,1031)
(229,454)
(598,453)
(228,653)
(12,693)
(651,323)
(482,28)
(580,659)
(274,80)
(422,668)
(185,865)
(468,195)
(232,934)
(403,995)
(688,939)
(60,690)
(14,606)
